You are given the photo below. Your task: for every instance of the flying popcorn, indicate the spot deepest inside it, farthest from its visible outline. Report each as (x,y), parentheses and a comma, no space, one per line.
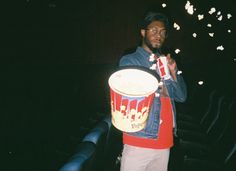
(220,47)
(194,35)
(163,5)
(179,72)
(229,31)
(177,51)
(211,34)
(209,25)
(200,17)
(189,8)
(200,82)
(229,16)
(220,18)
(153,67)
(212,10)
(152,58)
(176,26)
(219,12)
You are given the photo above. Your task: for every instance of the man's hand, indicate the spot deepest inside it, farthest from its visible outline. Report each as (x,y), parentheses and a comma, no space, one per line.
(172,66)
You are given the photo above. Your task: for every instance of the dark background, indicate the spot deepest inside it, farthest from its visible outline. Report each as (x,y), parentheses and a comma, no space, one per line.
(56,57)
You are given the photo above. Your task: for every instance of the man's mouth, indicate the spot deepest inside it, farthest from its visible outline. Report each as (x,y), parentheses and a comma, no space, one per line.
(156,43)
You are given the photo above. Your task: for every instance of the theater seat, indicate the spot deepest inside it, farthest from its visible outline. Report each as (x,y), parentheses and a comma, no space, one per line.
(218,155)
(207,130)
(83,159)
(98,136)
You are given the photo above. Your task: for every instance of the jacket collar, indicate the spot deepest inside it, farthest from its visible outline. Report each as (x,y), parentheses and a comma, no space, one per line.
(144,53)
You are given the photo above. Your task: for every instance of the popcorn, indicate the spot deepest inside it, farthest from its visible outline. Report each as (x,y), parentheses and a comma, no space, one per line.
(229,31)
(153,67)
(200,82)
(163,5)
(179,72)
(200,17)
(177,51)
(209,25)
(211,34)
(220,18)
(189,8)
(220,48)
(152,58)
(229,16)
(176,26)
(212,10)
(194,35)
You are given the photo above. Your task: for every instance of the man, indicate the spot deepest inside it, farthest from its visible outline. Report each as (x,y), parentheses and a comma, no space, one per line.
(148,149)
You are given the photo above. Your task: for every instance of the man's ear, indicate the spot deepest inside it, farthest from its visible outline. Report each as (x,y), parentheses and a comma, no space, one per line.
(142,32)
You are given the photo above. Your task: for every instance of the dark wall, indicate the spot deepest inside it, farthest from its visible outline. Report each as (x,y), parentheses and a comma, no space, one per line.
(100,31)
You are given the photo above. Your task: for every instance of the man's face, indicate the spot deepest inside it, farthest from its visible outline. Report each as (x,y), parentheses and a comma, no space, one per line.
(154,36)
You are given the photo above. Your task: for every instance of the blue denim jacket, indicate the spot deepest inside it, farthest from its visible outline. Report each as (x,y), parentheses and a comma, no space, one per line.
(176,91)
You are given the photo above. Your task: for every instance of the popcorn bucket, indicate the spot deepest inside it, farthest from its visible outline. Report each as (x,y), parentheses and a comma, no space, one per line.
(132,92)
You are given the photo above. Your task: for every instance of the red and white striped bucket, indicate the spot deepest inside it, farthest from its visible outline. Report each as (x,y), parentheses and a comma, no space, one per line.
(132,92)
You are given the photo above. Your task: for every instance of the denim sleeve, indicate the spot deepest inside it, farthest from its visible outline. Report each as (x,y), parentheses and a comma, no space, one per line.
(179,89)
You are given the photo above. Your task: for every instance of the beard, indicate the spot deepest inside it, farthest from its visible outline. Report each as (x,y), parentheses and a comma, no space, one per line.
(149,45)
